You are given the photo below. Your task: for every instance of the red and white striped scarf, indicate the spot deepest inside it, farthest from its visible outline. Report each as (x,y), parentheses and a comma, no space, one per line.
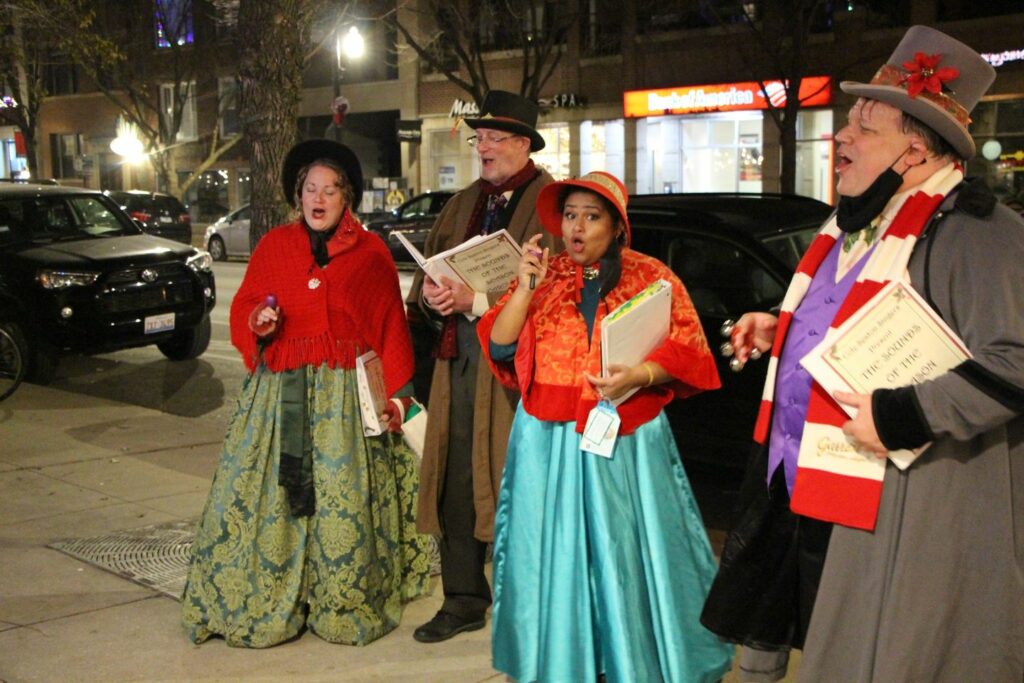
(849,497)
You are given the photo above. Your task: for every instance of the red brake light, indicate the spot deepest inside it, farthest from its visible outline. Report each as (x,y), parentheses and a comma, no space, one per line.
(139,215)
(185,218)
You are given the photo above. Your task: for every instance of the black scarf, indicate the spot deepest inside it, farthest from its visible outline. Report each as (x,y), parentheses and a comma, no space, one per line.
(318,240)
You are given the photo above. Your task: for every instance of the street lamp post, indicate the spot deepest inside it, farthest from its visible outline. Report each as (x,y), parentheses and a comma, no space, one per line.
(352,46)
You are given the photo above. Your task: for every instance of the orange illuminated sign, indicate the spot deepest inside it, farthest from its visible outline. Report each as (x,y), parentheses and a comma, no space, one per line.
(815,91)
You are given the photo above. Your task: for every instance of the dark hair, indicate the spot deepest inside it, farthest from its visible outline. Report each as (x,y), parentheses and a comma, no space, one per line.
(348,195)
(933,142)
(611,261)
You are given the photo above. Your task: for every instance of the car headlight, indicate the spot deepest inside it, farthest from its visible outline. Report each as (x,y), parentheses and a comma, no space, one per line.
(62,279)
(201,262)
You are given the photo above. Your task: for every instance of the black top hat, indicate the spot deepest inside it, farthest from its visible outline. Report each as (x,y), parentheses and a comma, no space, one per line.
(510,112)
(308,151)
(934,78)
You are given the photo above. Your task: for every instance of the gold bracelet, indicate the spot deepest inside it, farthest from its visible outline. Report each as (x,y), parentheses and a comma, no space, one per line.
(650,374)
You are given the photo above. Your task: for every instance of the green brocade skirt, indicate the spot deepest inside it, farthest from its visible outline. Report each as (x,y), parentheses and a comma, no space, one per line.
(259,575)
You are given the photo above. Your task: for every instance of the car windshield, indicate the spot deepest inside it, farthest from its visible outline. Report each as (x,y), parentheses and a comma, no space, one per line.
(55,218)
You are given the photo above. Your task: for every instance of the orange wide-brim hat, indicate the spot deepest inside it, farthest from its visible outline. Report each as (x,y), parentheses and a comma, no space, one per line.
(549,208)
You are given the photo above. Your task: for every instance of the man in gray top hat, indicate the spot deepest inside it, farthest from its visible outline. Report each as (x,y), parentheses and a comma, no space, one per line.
(470,413)
(923,578)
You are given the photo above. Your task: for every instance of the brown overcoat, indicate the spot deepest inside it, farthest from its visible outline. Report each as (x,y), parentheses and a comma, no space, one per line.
(495,405)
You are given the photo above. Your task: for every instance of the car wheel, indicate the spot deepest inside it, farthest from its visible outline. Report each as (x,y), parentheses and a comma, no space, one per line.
(216,249)
(187,344)
(13,358)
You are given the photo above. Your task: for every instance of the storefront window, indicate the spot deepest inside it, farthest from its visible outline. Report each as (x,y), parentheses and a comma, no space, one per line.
(814,155)
(555,155)
(602,147)
(446,154)
(714,153)
(998,129)
(207,198)
(243,187)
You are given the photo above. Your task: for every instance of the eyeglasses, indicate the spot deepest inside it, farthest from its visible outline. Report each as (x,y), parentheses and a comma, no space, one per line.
(475,140)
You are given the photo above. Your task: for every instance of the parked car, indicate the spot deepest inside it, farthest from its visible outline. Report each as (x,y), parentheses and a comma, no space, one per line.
(157,213)
(37,181)
(414,219)
(81,276)
(734,253)
(229,235)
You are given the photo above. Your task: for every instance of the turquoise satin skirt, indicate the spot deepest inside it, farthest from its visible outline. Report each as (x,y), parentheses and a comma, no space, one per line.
(600,565)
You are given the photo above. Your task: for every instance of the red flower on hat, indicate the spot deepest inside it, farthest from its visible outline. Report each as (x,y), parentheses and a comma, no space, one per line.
(924,74)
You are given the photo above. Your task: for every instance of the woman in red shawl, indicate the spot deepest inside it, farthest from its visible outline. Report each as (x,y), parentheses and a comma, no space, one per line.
(309,522)
(601,563)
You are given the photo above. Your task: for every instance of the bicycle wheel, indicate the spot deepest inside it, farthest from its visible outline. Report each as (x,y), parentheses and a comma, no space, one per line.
(12,358)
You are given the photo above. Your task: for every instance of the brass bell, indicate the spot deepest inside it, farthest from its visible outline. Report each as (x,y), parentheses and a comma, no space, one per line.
(726,349)
(727,326)
(755,354)
(735,364)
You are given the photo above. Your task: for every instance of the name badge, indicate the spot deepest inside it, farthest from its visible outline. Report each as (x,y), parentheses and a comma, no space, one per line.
(601,431)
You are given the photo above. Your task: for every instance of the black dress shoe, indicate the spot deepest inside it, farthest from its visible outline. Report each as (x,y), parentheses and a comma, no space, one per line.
(444,625)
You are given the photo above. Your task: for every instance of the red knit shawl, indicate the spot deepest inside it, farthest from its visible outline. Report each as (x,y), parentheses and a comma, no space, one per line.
(554,350)
(355,305)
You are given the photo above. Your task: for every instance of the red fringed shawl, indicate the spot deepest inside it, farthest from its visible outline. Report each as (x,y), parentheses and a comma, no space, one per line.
(554,350)
(328,315)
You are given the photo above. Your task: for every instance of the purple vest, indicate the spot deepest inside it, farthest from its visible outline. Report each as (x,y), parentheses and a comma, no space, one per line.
(792,383)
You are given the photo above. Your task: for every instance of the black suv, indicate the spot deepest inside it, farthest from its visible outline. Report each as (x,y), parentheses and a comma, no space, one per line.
(81,276)
(734,253)
(158,214)
(414,219)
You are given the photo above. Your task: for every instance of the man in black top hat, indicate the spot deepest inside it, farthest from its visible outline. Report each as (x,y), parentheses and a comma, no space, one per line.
(469,412)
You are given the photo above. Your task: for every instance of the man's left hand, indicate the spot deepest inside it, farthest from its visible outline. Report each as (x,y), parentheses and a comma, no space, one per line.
(861,429)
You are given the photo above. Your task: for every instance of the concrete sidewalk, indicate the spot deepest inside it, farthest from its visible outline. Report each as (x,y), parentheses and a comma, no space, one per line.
(74,466)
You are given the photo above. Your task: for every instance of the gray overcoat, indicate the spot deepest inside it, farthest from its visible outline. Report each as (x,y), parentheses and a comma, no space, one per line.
(936,593)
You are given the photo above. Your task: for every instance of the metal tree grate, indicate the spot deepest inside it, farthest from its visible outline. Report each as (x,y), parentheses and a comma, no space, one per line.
(156,556)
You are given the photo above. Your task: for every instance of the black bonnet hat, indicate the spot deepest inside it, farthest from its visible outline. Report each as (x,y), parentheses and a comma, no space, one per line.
(308,151)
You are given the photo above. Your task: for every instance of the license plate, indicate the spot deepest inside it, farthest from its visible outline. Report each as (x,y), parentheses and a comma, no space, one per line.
(166,219)
(158,323)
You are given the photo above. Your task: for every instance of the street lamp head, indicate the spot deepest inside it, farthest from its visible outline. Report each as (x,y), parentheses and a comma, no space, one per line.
(352,44)
(127,143)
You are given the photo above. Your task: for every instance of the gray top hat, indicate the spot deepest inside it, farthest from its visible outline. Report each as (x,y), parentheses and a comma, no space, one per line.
(512,113)
(934,78)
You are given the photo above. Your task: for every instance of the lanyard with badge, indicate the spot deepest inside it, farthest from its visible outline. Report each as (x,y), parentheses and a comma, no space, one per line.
(601,430)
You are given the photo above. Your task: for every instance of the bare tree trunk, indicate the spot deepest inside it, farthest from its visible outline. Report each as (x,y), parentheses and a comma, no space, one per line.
(271,76)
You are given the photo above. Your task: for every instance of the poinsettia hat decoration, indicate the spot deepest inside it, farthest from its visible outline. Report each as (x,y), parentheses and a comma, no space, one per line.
(934,78)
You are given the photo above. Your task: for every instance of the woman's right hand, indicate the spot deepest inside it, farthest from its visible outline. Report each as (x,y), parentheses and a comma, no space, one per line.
(263,321)
(753,330)
(533,265)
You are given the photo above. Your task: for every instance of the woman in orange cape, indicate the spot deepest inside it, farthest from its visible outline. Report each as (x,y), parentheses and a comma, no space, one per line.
(601,564)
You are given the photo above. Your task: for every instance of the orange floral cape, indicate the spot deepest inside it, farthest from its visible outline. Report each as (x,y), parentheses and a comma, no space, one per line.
(554,349)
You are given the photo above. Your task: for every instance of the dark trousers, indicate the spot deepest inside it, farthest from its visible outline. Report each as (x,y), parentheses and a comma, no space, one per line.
(466,592)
